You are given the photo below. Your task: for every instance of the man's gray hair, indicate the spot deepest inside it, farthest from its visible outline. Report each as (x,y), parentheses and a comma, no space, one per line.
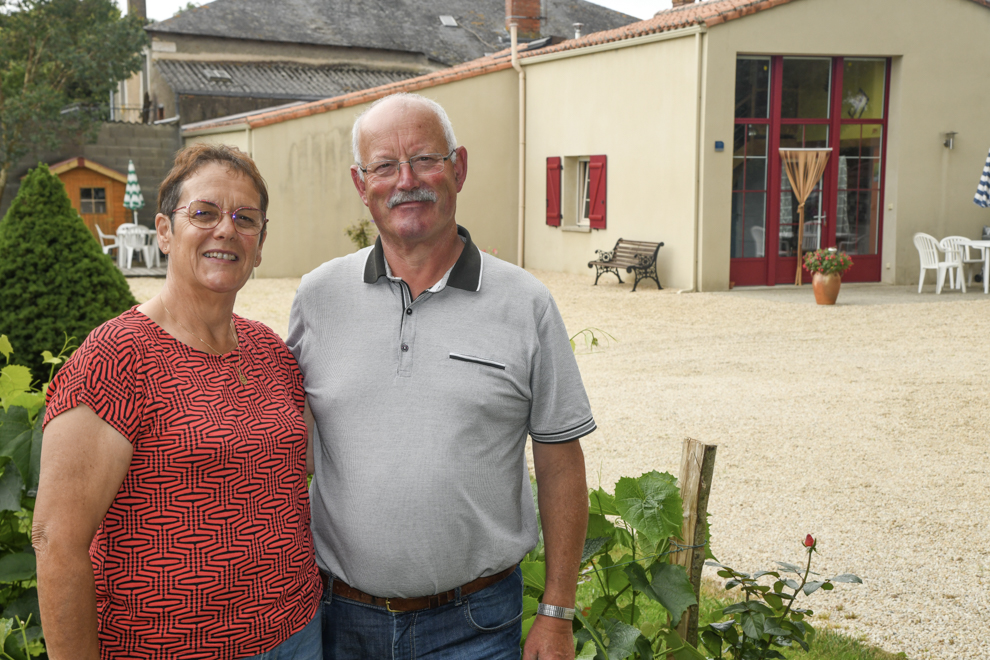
(405,97)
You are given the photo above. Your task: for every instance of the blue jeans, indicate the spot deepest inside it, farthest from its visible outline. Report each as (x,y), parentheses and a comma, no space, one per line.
(307,644)
(485,625)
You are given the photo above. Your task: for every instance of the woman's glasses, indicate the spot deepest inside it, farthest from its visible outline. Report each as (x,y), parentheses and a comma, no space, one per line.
(247,220)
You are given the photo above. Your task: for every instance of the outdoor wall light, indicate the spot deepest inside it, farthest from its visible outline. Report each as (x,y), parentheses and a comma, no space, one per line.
(950,138)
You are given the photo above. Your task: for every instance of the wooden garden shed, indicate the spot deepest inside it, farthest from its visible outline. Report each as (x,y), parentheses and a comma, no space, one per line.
(96,191)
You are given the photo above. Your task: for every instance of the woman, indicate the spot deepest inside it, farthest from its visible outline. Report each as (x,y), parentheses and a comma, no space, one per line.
(172,519)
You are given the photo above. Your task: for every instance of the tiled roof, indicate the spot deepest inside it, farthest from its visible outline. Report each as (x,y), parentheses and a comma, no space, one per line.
(483,65)
(411,26)
(275,80)
(708,14)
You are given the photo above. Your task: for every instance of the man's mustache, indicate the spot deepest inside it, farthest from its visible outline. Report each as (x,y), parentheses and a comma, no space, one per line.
(416,195)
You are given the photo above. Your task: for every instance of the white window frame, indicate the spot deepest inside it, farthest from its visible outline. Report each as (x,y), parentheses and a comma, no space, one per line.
(583,206)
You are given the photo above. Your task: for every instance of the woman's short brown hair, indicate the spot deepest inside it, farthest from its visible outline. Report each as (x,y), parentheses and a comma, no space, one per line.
(195,156)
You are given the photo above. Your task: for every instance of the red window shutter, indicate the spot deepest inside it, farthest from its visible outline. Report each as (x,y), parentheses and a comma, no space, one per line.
(553,191)
(596,215)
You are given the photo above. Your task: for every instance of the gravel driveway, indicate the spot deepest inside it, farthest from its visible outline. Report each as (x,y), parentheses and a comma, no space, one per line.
(865,424)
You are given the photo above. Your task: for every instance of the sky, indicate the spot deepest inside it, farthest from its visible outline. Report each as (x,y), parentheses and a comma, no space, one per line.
(159,10)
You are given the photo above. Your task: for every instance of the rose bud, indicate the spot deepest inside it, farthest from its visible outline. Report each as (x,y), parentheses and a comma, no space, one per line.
(809,541)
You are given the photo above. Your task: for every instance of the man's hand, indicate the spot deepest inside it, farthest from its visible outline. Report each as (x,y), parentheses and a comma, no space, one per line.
(549,639)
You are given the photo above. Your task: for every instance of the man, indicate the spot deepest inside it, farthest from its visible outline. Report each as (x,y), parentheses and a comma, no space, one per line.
(426,365)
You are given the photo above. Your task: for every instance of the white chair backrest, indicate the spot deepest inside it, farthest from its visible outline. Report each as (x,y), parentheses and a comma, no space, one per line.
(927,249)
(132,236)
(812,235)
(759,239)
(953,247)
(105,239)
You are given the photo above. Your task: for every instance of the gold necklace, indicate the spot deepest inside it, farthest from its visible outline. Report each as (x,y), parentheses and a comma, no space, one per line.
(233,333)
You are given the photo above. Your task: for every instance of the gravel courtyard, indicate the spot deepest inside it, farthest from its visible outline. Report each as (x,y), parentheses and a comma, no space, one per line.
(864,424)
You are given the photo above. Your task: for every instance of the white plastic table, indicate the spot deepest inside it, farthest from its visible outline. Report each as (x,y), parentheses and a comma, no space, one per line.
(984,247)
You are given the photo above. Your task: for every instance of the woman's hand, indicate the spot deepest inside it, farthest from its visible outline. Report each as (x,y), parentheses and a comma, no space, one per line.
(83,463)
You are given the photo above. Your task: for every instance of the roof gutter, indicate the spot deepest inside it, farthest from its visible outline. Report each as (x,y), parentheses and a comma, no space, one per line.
(521,224)
(213,130)
(616,45)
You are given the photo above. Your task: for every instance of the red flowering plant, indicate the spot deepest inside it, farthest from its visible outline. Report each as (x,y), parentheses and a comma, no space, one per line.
(827,261)
(768,617)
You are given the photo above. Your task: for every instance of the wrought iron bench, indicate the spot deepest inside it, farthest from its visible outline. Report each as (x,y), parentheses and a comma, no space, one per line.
(635,256)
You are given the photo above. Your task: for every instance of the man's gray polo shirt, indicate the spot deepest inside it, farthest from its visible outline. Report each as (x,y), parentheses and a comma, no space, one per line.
(422,411)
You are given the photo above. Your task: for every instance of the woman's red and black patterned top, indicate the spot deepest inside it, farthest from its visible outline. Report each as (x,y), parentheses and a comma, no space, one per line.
(206,551)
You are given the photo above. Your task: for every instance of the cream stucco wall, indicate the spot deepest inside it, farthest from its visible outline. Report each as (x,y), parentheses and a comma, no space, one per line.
(306,163)
(938,83)
(637,106)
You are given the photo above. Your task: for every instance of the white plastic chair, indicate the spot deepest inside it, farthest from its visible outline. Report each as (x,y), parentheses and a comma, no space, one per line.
(812,235)
(928,249)
(960,246)
(759,239)
(107,246)
(135,238)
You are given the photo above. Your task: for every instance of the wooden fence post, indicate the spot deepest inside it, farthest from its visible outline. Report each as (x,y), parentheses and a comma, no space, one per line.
(697,468)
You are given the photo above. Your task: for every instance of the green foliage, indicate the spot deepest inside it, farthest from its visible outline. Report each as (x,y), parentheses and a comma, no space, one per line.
(59,59)
(593,338)
(827,261)
(55,280)
(767,621)
(20,460)
(638,595)
(362,234)
(828,645)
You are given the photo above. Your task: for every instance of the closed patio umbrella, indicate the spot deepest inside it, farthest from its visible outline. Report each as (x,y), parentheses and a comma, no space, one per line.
(982,197)
(133,199)
(804,168)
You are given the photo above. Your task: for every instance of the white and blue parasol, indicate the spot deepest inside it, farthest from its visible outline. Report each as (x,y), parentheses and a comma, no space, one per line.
(982,197)
(133,199)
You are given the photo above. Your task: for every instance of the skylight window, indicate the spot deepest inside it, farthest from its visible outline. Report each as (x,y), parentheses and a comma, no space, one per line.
(448,21)
(217,75)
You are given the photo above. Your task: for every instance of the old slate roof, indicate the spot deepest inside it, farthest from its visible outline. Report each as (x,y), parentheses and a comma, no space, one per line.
(274,80)
(399,25)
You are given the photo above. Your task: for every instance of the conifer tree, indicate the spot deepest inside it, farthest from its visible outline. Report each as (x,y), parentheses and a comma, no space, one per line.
(54,278)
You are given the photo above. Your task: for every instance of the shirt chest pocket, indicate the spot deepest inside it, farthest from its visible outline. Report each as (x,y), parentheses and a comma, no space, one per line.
(489,377)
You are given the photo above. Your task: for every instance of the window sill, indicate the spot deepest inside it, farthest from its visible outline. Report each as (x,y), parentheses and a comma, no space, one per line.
(576,228)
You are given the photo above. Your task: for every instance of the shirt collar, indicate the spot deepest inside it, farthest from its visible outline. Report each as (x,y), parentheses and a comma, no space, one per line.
(465,274)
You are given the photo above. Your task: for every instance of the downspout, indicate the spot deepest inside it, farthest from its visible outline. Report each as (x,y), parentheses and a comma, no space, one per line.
(521,225)
(697,164)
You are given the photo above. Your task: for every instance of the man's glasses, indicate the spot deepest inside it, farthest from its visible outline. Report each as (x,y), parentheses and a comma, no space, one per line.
(422,165)
(247,220)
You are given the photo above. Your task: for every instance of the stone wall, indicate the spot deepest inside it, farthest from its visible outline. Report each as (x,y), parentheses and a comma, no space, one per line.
(152,148)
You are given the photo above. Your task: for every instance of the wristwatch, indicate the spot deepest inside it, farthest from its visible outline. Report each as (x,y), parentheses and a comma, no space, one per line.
(555,611)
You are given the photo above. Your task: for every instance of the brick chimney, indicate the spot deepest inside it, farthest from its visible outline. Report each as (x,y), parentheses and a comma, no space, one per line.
(679,3)
(137,8)
(525,14)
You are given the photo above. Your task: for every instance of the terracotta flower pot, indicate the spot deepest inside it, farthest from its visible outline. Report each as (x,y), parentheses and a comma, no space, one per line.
(826,287)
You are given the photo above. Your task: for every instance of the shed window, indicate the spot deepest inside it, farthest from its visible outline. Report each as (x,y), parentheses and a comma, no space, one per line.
(93,200)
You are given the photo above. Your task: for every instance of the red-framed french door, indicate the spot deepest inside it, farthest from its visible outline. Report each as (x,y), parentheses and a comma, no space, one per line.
(808,102)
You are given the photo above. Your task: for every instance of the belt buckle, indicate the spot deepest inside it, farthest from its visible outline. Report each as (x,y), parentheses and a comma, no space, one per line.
(388,606)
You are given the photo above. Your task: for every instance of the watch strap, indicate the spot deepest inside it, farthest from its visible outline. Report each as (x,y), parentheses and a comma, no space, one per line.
(555,611)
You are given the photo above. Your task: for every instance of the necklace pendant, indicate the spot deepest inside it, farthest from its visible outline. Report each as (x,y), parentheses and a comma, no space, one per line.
(241,375)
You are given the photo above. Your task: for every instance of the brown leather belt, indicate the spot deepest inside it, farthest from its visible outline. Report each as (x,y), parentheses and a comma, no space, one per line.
(344,590)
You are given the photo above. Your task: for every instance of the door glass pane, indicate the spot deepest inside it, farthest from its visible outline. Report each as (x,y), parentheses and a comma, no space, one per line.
(738,227)
(752,88)
(800,136)
(755,221)
(749,197)
(858,188)
(806,86)
(863,83)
